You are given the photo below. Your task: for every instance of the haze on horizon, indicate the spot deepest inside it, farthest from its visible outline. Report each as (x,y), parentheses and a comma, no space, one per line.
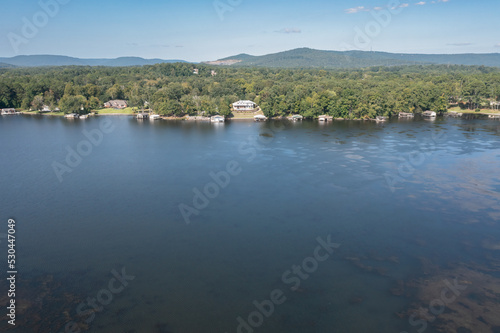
(202,30)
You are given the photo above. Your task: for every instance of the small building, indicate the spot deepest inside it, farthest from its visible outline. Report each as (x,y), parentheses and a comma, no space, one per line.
(429,114)
(116,104)
(259,117)
(380,119)
(71,116)
(142,115)
(214,73)
(244,106)
(46,108)
(196,71)
(325,118)
(8,111)
(217,119)
(406,115)
(296,117)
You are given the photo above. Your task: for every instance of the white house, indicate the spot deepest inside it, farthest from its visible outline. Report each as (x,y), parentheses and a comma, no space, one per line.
(244,106)
(46,108)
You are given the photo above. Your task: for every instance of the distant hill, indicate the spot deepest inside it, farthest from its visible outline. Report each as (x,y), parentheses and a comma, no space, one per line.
(310,58)
(54,60)
(4,65)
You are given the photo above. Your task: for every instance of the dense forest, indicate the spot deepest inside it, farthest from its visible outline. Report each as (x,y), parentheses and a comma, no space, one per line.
(173,89)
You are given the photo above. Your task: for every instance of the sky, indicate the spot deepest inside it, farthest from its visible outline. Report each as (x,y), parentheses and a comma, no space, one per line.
(202,30)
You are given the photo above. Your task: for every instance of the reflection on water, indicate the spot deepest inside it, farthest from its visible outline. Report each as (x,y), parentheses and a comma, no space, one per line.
(299,181)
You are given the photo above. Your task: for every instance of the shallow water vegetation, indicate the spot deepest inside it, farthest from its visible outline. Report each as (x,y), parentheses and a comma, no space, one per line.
(456,300)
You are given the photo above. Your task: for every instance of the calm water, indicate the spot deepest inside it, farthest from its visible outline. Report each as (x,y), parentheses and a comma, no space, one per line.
(404,200)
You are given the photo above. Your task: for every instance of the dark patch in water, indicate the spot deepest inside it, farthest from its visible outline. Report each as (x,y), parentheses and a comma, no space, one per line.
(163,328)
(267,135)
(495,329)
(463,330)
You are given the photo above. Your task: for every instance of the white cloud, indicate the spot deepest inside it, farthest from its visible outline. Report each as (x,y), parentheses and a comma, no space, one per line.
(290,31)
(460,44)
(421,3)
(356,10)
(498,45)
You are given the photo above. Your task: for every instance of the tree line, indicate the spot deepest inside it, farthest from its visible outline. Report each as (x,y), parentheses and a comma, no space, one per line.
(174,90)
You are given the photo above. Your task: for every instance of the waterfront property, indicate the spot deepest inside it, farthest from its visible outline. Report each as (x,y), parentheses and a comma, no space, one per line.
(116,104)
(406,115)
(429,114)
(217,119)
(242,106)
(154,117)
(259,117)
(71,116)
(142,115)
(380,119)
(8,111)
(325,118)
(45,108)
(296,117)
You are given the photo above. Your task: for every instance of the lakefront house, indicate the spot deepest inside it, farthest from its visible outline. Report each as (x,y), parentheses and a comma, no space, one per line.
(116,104)
(243,106)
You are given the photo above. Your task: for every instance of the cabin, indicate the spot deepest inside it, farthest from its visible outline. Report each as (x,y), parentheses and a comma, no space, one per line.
(406,115)
(259,117)
(116,104)
(242,106)
(154,117)
(142,115)
(214,73)
(217,119)
(196,71)
(8,111)
(325,118)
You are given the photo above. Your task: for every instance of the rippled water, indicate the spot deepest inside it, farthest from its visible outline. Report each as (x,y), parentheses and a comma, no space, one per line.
(405,201)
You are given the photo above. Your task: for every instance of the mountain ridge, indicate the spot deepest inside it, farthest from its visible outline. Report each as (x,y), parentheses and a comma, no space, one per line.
(59,60)
(295,58)
(311,58)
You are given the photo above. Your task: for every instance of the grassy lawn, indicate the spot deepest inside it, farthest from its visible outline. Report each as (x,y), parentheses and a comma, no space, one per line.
(44,114)
(109,110)
(457,109)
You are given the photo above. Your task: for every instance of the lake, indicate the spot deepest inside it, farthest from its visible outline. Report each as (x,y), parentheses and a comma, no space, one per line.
(174,226)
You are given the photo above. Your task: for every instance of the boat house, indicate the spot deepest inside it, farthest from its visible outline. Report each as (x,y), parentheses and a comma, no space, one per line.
(8,111)
(217,119)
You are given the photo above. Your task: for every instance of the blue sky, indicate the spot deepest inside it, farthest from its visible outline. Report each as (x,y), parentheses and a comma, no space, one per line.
(202,30)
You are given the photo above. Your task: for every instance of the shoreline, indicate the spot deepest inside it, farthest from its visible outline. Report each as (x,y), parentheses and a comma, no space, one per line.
(453,114)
